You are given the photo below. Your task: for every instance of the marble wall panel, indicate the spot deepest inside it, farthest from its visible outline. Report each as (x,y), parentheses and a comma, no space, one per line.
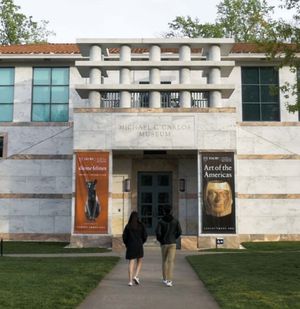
(268,185)
(39,224)
(90,140)
(55,207)
(216,140)
(278,168)
(62,224)
(263,225)
(16,224)
(39,140)
(20,168)
(268,207)
(268,139)
(56,168)
(154,131)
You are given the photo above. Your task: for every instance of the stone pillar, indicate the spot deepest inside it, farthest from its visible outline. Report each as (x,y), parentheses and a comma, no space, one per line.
(95,76)
(185,76)
(125,97)
(214,77)
(155,98)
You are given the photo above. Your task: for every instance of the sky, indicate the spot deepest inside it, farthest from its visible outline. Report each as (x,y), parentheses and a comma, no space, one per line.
(73,19)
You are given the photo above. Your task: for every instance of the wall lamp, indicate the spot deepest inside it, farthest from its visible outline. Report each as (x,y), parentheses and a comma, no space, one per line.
(127,185)
(182,185)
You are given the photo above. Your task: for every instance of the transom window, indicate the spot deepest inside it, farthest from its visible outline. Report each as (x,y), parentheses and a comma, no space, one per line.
(50,94)
(260,94)
(7,77)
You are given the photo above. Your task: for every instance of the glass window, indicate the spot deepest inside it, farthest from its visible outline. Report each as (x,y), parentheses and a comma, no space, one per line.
(7,77)
(260,94)
(250,75)
(50,98)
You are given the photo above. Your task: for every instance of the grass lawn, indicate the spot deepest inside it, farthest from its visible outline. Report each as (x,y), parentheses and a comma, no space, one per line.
(14,247)
(251,280)
(272,245)
(50,282)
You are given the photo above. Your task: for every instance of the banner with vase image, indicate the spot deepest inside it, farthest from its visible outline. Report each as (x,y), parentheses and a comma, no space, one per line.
(91,196)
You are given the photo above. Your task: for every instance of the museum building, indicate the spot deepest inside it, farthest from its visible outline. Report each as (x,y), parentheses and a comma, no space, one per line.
(93,130)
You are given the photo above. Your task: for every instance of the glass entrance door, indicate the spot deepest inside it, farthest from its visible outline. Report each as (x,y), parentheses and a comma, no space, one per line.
(154,192)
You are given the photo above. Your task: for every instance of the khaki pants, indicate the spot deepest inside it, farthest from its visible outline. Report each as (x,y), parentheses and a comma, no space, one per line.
(168,257)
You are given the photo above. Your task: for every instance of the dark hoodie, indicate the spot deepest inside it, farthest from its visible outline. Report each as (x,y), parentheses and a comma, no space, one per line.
(168,230)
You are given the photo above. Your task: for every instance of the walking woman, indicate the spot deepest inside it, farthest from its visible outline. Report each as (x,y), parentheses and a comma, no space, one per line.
(134,236)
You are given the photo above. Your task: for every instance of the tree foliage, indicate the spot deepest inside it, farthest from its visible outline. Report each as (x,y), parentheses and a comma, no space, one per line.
(251,21)
(17,28)
(284,47)
(243,20)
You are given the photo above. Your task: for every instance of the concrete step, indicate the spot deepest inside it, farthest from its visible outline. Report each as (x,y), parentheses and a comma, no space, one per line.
(151,242)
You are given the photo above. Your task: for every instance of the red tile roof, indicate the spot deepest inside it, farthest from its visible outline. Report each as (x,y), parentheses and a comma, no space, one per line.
(40,49)
(247,48)
(74,49)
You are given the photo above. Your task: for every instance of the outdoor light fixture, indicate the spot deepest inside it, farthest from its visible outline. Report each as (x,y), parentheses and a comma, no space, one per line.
(127,185)
(182,185)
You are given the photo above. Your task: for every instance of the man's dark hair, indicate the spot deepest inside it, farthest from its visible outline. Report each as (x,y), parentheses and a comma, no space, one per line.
(167,209)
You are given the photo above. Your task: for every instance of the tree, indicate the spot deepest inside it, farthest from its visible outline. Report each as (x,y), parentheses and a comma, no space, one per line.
(284,47)
(243,20)
(17,28)
(250,21)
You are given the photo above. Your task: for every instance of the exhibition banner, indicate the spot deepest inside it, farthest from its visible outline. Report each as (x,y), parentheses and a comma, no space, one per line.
(91,197)
(218,198)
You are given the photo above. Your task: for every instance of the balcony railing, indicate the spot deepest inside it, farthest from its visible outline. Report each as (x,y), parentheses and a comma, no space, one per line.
(200,99)
(141,99)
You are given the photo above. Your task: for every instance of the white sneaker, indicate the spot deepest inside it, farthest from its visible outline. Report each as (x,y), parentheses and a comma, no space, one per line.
(164,281)
(136,280)
(169,283)
(130,283)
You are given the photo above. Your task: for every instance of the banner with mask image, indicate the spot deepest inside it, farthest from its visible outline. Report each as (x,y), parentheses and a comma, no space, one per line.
(218,202)
(91,198)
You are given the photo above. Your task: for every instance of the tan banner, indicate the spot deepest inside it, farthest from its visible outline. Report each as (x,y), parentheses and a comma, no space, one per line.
(91,204)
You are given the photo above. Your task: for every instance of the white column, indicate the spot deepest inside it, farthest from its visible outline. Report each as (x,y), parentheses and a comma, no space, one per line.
(214,77)
(95,53)
(185,76)
(155,98)
(95,75)
(125,97)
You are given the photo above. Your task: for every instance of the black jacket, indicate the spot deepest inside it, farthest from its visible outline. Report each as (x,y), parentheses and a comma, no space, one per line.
(168,230)
(134,240)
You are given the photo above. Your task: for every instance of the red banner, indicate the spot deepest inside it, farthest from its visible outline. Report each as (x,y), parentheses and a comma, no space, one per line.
(91,201)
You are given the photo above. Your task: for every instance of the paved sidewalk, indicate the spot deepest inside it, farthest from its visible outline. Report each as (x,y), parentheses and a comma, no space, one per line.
(188,291)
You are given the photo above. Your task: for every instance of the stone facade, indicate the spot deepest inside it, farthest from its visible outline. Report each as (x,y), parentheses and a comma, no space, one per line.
(37,172)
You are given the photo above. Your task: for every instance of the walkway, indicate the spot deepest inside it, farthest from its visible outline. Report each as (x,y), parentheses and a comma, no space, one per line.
(188,291)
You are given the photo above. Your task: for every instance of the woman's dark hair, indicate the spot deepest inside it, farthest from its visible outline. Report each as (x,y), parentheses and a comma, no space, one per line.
(134,221)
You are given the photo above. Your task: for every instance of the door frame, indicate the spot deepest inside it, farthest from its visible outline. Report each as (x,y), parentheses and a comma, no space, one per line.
(155,165)
(155,211)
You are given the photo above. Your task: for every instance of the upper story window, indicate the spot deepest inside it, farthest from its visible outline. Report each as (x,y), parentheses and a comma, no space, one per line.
(260,94)
(7,77)
(50,94)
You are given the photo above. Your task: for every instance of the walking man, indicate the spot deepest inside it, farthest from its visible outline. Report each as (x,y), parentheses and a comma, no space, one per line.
(167,231)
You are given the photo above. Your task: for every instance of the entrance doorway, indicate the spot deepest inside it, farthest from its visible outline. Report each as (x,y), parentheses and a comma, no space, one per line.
(154,192)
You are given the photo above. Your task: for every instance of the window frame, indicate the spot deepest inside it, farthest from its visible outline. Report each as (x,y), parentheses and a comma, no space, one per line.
(50,86)
(260,103)
(12,85)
